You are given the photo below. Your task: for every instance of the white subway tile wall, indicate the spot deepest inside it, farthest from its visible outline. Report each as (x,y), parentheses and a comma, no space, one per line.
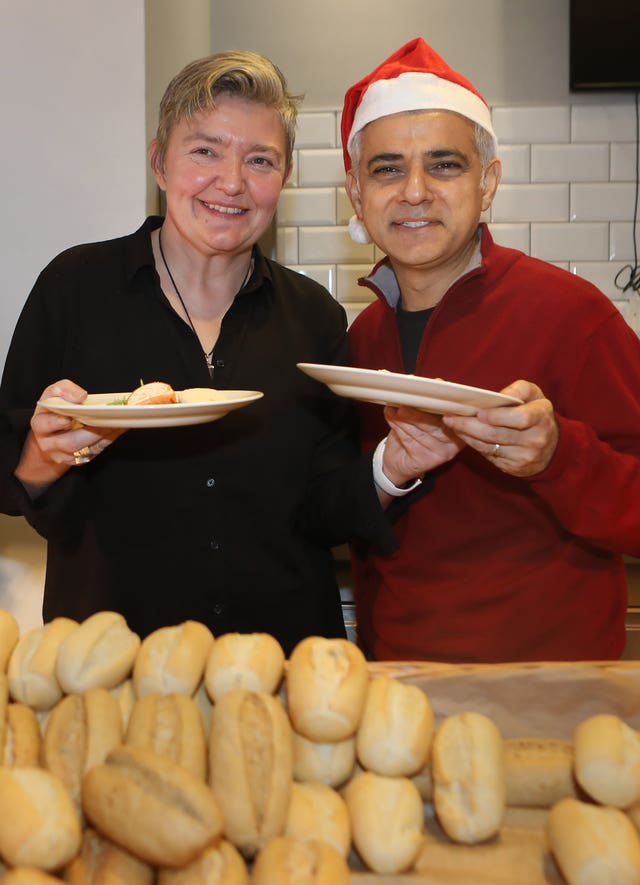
(567,196)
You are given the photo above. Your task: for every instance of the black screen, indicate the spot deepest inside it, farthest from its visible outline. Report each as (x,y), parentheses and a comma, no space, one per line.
(604,47)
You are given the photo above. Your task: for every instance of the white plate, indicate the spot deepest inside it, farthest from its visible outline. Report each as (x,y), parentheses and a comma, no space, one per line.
(95,411)
(394,389)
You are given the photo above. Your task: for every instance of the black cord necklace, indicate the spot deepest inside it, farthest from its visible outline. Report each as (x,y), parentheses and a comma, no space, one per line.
(208,354)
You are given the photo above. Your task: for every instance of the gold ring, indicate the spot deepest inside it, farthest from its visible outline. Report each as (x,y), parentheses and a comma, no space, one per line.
(82,456)
(495,451)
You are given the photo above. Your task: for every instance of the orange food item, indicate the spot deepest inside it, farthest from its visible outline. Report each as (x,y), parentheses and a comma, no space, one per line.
(153,393)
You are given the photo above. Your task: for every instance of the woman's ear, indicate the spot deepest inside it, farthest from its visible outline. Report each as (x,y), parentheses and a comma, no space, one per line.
(158,172)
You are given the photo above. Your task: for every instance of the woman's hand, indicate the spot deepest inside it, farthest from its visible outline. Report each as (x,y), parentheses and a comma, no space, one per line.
(418,442)
(55,443)
(519,440)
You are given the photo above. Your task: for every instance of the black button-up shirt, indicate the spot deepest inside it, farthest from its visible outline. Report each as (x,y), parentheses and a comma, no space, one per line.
(229,523)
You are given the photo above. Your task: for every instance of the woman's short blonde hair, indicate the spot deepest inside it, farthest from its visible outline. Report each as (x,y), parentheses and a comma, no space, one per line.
(241,73)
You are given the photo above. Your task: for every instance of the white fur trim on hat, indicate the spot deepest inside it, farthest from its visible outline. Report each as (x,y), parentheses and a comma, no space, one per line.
(358,232)
(414,91)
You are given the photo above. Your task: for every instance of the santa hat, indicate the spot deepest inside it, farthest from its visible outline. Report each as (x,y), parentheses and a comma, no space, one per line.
(413,78)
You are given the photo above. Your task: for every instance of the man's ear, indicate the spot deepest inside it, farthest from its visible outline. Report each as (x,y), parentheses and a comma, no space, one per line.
(492,176)
(353,192)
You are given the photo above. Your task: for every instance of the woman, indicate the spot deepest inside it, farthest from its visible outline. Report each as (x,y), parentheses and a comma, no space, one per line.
(228,523)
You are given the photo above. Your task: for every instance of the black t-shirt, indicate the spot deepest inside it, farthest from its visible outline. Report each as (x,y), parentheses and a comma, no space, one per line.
(411,326)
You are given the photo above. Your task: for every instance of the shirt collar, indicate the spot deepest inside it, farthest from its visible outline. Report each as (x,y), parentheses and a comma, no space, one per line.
(383,278)
(139,254)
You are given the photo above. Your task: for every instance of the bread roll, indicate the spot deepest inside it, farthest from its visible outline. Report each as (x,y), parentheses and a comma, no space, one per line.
(99,654)
(607,760)
(219,864)
(39,826)
(28,876)
(126,698)
(22,738)
(170,725)
(538,771)
(395,733)
(100,862)
(252,661)
(32,666)
(316,811)
(593,845)
(251,766)
(423,780)
(327,683)
(387,821)
(288,861)
(80,731)
(4,706)
(172,659)
(331,763)
(467,766)
(9,635)
(151,806)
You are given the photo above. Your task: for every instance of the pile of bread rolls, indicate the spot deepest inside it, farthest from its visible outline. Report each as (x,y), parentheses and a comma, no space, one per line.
(186,759)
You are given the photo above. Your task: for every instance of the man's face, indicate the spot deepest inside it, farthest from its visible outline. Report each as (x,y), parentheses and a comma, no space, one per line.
(419,189)
(223,173)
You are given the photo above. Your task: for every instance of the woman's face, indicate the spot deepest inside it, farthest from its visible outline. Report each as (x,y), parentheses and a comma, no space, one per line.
(223,173)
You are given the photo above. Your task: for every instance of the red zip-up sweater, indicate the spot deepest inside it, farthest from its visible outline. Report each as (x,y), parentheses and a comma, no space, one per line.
(498,568)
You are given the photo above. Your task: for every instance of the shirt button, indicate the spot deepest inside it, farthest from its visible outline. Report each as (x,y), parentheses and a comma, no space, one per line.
(211,482)
(214,545)
(218,609)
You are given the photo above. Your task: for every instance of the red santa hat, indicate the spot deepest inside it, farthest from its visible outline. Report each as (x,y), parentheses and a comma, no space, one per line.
(414,78)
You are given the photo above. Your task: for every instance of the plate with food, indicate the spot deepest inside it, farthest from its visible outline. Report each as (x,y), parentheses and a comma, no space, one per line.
(153,405)
(394,389)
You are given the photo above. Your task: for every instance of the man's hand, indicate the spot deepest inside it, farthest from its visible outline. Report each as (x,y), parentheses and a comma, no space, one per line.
(519,440)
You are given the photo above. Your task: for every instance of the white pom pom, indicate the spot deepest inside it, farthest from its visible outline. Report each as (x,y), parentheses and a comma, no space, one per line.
(358,232)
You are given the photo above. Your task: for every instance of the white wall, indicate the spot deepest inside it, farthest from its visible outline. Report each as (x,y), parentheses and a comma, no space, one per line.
(512,50)
(72,167)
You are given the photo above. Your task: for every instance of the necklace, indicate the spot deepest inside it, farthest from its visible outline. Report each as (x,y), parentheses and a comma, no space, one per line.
(208,354)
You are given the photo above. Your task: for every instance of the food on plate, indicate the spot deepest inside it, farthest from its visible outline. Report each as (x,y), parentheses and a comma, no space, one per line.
(327,683)
(151,394)
(593,844)
(251,766)
(469,789)
(387,821)
(151,806)
(200,395)
(395,733)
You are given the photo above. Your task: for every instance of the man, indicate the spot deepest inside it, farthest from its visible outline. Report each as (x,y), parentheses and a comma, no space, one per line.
(512,547)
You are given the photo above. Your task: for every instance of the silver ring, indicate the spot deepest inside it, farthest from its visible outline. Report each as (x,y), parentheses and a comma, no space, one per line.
(495,451)
(82,456)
